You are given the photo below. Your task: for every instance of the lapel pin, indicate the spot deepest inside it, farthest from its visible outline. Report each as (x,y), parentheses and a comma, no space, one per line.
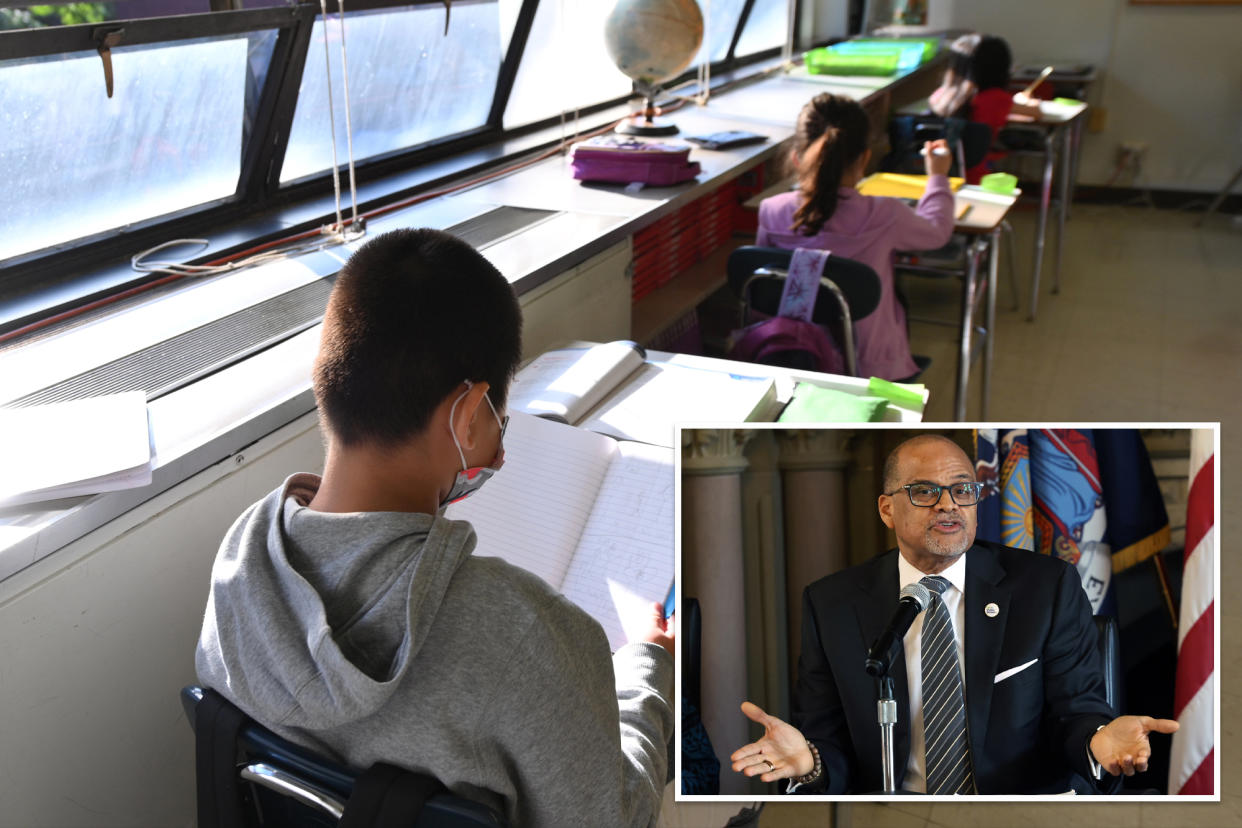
(991,610)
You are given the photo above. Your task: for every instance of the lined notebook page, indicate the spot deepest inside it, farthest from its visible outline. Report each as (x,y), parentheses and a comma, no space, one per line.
(625,557)
(569,382)
(532,512)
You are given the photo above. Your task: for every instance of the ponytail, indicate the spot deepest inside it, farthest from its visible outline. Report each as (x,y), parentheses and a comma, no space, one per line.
(831,135)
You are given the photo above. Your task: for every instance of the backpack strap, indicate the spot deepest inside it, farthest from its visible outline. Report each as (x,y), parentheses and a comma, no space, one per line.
(216,725)
(386,796)
(802,284)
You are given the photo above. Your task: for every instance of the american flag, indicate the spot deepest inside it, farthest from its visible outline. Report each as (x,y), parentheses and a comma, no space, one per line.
(1192,763)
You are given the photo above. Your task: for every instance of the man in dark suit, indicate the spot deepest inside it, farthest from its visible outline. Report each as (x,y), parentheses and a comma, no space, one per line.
(1028,707)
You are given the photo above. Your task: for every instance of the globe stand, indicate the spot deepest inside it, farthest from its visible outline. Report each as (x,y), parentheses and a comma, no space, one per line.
(645,124)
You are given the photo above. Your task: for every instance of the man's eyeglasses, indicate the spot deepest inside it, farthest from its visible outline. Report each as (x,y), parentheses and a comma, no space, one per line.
(504,426)
(928,494)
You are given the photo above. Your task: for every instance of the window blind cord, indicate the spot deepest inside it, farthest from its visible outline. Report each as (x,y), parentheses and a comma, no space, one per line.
(356,228)
(327,68)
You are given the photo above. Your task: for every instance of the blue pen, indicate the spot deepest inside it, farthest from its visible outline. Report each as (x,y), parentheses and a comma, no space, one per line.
(670,600)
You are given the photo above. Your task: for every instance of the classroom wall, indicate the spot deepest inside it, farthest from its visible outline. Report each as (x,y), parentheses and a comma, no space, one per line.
(98,639)
(1170,76)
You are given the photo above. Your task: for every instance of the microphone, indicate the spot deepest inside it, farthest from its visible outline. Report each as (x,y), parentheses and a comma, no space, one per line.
(913,599)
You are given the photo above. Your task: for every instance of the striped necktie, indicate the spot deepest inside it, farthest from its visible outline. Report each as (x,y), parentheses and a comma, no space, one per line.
(947,754)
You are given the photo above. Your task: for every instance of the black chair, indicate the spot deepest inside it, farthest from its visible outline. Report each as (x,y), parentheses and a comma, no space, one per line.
(969,142)
(265,780)
(1108,642)
(848,291)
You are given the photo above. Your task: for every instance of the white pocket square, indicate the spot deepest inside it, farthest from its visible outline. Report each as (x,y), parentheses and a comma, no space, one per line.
(1013,671)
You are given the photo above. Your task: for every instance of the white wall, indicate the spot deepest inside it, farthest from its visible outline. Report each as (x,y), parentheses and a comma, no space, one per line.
(1170,76)
(97,639)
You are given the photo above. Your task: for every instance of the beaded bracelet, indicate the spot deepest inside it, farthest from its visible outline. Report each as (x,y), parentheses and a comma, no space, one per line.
(816,771)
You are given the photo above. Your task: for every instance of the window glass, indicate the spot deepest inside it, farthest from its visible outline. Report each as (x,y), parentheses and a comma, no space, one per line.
(565,64)
(766,28)
(171,136)
(409,83)
(721,22)
(68,14)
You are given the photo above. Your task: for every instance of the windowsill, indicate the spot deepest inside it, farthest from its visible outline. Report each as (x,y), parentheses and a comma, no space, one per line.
(207,421)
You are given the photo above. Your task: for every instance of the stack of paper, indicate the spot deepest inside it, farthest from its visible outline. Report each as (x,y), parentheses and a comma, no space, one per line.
(81,447)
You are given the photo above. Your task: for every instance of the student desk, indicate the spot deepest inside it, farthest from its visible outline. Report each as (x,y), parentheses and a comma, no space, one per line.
(1061,127)
(785,380)
(982,223)
(982,226)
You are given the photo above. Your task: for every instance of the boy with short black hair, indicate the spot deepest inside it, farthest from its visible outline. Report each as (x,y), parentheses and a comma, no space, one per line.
(348,615)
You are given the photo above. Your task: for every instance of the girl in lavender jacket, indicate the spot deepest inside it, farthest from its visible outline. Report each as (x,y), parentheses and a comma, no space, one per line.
(827,212)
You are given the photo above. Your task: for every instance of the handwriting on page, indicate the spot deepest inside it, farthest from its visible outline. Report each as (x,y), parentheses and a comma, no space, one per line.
(534,510)
(624,561)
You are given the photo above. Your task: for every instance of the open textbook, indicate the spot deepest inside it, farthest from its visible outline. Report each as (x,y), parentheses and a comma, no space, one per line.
(590,515)
(612,389)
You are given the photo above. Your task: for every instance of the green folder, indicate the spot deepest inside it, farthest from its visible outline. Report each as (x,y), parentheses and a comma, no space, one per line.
(812,404)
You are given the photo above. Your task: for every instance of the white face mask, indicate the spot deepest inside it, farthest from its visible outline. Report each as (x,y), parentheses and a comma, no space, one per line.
(470,480)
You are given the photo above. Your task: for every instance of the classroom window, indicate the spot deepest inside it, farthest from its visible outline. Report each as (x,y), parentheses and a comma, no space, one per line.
(171,137)
(766,28)
(409,82)
(565,65)
(38,15)
(719,25)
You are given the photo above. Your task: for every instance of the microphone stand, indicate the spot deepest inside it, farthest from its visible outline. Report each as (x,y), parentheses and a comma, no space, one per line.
(886,713)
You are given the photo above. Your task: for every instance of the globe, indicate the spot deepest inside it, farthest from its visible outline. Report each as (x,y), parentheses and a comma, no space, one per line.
(652,41)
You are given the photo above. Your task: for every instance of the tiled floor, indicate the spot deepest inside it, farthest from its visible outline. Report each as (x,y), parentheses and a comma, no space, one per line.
(1145,326)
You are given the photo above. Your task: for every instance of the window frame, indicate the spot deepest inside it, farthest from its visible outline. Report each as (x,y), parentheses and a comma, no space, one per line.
(68,272)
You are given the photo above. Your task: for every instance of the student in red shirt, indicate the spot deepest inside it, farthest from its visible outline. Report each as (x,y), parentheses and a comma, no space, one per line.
(976,87)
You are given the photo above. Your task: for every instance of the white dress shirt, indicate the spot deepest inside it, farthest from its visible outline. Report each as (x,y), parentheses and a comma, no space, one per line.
(916,773)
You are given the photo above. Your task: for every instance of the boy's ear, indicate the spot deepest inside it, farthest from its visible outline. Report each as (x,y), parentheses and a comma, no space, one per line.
(464,417)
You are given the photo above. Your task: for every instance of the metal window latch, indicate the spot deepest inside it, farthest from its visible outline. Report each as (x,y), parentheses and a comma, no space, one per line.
(106,39)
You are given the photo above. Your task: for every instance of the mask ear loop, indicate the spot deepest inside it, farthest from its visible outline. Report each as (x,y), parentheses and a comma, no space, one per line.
(453,419)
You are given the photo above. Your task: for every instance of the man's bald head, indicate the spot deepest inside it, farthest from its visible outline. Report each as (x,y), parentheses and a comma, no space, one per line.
(891,474)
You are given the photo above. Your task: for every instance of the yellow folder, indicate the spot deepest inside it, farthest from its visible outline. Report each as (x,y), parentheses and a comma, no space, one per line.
(896,185)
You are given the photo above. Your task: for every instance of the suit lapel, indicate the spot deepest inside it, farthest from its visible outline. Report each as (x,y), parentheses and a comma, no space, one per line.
(985,633)
(876,603)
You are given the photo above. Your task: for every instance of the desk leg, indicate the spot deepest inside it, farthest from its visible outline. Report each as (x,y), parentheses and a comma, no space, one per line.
(990,318)
(1063,206)
(970,287)
(1076,132)
(1045,197)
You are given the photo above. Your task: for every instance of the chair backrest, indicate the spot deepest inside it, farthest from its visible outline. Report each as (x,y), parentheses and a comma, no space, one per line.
(848,291)
(975,138)
(691,649)
(1109,643)
(279,783)
(970,141)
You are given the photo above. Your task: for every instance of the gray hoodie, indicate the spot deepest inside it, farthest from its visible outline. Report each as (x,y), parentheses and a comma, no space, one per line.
(378,636)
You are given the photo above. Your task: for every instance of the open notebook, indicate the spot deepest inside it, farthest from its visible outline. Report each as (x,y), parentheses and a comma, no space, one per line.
(612,389)
(590,515)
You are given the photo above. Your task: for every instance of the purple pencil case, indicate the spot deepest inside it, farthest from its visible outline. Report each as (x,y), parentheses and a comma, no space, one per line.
(626,160)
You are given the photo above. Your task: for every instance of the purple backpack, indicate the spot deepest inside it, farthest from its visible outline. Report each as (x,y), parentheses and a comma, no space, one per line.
(789,342)
(626,160)
(790,338)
